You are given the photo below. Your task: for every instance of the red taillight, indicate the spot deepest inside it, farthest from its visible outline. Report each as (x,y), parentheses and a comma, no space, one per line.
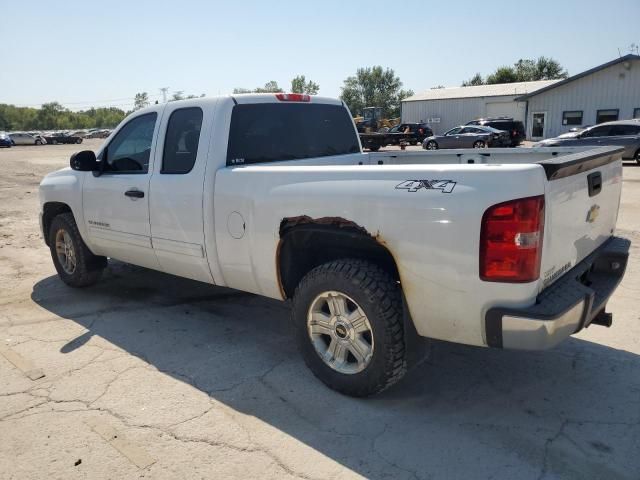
(293,97)
(511,241)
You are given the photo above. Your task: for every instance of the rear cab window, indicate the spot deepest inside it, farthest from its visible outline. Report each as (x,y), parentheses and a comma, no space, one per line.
(272,132)
(181,141)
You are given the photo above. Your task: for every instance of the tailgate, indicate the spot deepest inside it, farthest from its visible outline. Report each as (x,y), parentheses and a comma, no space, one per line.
(582,197)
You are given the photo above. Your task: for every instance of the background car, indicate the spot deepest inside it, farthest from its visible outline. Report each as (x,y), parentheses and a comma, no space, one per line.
(468,136)
(514,127)
(56,138)
(23,138)
(5,140)
(621,133)
(101,133)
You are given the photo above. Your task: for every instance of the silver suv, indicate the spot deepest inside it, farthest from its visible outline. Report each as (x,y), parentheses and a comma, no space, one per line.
(621,133)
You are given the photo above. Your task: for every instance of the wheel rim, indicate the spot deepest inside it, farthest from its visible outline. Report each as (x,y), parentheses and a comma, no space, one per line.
(65,251)
(431,146)
(340,332)
(479,145)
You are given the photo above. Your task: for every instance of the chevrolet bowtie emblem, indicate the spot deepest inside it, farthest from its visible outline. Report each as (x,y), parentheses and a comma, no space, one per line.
(593,213)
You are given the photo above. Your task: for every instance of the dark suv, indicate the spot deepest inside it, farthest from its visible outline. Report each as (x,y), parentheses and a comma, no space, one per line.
(514,127)
(416,132)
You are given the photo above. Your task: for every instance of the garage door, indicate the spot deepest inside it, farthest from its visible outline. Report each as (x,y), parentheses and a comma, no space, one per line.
(506,109)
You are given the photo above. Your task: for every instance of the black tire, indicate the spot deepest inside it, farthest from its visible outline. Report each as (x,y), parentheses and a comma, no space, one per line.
(88,267)
(79,141)
(38,142)
(379,297)
(54,142)
(433,144)
(374,148)
(637,156)
(413,142)
(479,144)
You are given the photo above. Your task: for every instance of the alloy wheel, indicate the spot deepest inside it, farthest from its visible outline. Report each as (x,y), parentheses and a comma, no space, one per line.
(340,332)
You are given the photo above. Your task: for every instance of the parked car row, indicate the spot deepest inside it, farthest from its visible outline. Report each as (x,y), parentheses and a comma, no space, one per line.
(479,133)
(621,133)
(9,139)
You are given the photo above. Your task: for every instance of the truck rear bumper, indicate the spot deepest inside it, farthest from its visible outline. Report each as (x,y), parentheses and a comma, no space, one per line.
(572,303)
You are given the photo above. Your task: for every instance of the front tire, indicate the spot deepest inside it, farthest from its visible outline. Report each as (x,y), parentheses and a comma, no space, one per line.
(79,141)
(74,262)
(431,145)
(38,142)
(348,321)
(480,144)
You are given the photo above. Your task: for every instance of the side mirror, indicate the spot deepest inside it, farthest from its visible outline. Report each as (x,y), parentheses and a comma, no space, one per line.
(84,161)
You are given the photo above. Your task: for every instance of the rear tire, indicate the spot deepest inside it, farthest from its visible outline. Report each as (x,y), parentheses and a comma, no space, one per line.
(79,141)
(38,142)
(431,145)
(637,156)
(479,144)
(74,262)
(54,142)
(348,320)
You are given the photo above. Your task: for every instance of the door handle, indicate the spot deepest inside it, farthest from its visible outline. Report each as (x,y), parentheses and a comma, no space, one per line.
(134,194)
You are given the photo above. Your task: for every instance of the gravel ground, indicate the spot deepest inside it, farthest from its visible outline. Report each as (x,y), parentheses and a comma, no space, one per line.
(147,375)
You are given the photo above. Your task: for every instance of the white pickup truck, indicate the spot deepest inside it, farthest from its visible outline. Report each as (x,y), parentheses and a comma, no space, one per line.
(271,194)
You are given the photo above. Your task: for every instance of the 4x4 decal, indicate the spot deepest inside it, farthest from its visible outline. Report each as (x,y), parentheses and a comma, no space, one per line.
(445,186)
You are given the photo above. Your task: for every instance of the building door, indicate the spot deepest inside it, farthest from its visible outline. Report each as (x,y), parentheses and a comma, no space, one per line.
(538,124)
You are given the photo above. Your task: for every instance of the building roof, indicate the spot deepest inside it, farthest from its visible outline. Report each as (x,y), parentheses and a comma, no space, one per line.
(496,90)
(625,58)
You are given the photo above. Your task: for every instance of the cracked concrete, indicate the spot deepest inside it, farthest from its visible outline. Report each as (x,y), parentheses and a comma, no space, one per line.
(206,381)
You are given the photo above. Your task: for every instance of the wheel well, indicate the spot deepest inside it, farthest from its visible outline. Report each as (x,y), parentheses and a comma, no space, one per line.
(306,243)
(49,211)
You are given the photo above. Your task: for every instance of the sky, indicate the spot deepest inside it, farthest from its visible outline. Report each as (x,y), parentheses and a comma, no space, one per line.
(84,54)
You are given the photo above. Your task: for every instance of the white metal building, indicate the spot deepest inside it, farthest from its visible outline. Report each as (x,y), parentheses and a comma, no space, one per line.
(610,91)
(607,92)
(445,108)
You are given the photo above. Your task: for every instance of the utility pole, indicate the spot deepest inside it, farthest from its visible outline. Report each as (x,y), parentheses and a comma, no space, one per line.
(164,94)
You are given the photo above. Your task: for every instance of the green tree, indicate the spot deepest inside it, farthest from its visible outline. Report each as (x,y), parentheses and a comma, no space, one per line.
(524,70)
(374,87)
(473,81)
(543,68)
(141,100)
(503,74)
(54,116)
(300,85)
(269,87)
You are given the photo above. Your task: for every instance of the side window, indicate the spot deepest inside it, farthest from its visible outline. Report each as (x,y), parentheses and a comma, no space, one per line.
(181,141)
(129,150)
(610,115)
(454,131)
(621,130)
(572,117)
(598,132)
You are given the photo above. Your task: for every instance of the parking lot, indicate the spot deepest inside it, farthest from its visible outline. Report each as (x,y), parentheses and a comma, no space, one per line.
(148,375)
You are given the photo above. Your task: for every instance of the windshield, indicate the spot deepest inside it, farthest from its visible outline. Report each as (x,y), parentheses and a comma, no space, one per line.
(271,132)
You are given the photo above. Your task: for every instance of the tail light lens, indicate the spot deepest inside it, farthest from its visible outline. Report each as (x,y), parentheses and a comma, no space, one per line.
(511,241)
(293,97)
